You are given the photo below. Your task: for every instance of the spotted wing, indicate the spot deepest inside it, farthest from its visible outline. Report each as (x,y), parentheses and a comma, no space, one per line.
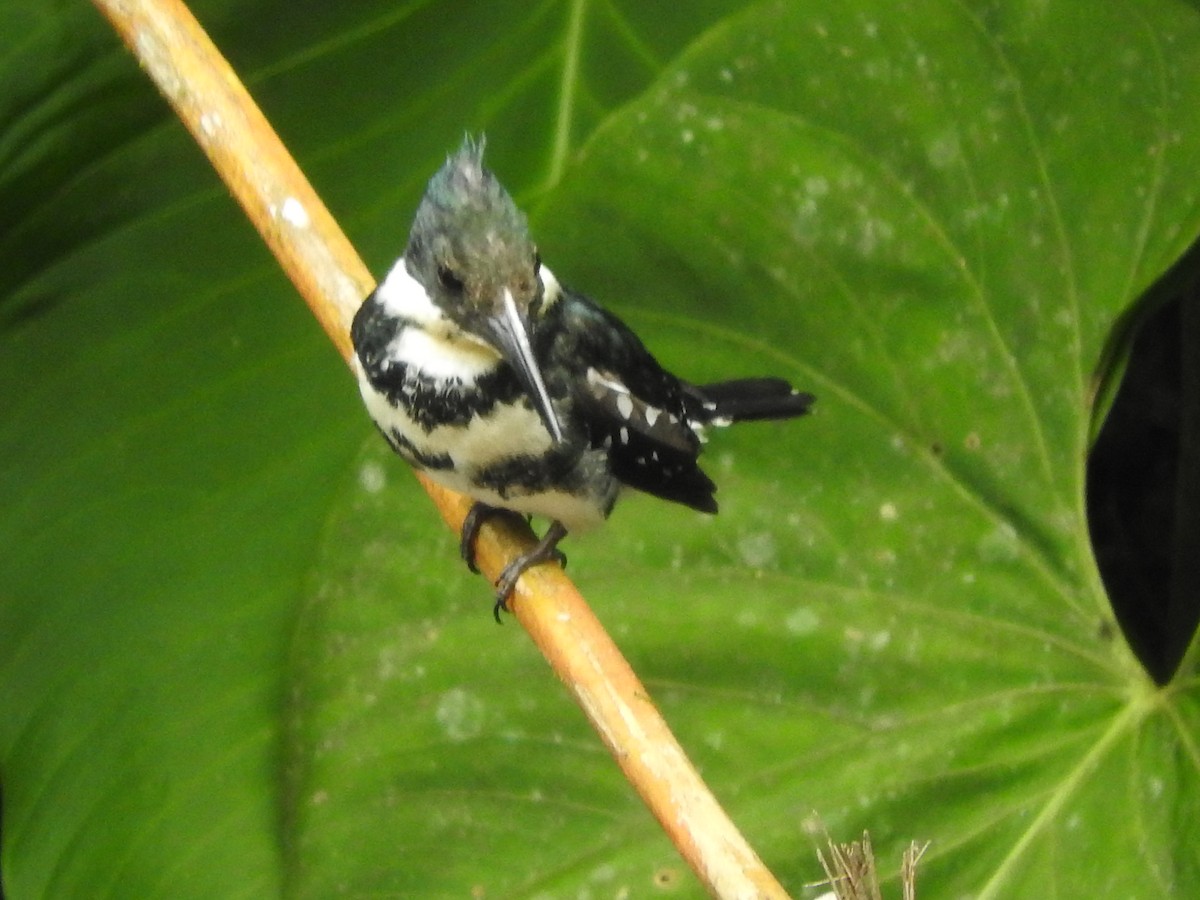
(633,407)
(649,448)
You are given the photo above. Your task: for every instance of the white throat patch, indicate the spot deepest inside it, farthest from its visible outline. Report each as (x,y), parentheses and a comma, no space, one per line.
(435,346)
(403,296)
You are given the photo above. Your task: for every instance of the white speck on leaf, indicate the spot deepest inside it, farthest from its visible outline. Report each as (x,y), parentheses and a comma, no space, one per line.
(1001,544)
(757,550)
(460,713)
(944,150)
(802,620)
(372,477)
(385,668)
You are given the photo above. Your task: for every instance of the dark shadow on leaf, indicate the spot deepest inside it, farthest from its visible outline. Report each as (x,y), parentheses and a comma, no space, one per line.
(1142,504)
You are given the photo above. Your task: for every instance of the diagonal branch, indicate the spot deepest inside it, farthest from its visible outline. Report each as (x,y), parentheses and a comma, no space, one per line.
(216,108)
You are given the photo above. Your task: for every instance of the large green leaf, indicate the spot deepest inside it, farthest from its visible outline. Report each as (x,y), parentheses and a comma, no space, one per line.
(238,656)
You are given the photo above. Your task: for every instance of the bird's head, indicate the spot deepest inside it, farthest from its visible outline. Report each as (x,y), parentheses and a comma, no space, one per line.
(470,249)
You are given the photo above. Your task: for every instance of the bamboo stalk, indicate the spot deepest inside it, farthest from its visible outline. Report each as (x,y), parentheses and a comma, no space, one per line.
(219,112)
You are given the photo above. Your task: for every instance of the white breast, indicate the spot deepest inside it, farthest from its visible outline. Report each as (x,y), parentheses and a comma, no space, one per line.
(508,431)
(434,350)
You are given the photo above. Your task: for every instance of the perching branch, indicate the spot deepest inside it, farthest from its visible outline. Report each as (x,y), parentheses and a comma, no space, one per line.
(214,105)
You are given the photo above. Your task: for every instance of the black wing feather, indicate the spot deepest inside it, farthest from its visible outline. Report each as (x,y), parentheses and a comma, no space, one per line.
(645,416)
(632,406)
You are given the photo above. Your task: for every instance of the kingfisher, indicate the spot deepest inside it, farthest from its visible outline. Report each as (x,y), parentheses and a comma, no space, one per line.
(483,371)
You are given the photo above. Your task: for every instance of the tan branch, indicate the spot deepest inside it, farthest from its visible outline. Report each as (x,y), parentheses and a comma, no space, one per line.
(216,108)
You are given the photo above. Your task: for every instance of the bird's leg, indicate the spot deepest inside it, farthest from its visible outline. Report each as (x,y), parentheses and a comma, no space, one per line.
(545,551)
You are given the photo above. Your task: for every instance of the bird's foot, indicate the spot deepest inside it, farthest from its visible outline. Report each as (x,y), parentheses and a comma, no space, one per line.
(546,550)
(476,516)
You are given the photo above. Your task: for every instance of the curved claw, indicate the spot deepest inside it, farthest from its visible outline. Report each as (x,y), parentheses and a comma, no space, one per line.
(476,516)
(501,605)
(546,550)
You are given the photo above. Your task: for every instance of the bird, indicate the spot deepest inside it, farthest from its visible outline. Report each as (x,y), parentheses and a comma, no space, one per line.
(483,371)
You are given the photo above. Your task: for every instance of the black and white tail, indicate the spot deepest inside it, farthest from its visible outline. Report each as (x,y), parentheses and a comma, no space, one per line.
(748,400)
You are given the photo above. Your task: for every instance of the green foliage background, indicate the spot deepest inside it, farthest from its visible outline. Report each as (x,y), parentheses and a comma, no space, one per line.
(238,657)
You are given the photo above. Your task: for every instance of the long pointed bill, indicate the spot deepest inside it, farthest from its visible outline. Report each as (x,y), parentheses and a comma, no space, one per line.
(511,334)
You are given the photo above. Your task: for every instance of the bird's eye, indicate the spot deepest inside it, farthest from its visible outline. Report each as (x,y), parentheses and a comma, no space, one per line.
(449,280)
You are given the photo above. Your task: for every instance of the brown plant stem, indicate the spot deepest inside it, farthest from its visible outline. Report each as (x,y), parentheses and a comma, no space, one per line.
(216,108)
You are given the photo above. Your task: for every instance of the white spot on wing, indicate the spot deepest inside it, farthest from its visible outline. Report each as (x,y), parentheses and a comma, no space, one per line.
(625,405)
(615,386)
